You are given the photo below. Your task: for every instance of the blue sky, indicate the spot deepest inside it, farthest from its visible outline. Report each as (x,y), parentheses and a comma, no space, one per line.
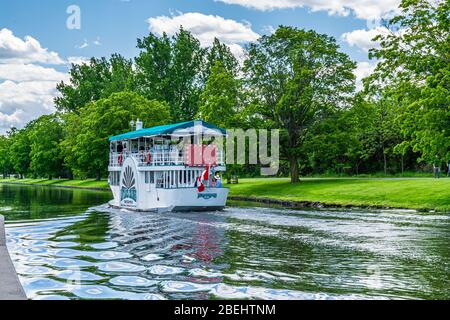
(36,47)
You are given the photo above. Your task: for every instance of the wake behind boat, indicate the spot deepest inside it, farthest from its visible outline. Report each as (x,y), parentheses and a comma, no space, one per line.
(168,168)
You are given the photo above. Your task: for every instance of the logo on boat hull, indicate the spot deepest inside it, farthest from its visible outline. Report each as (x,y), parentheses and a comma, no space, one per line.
(128,192)
(207,196)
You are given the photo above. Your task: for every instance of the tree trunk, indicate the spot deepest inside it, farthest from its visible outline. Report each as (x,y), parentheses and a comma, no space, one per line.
(403,167)
(385,162)
(294,168)
(98,175)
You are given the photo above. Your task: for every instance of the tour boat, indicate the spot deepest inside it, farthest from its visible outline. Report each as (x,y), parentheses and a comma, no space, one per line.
(168,168)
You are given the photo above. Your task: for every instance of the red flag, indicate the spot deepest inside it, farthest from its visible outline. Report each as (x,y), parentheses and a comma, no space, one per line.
(205,174)
(200,185)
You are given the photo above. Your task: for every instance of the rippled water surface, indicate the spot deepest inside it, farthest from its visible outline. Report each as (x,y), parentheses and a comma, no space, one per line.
(66,244)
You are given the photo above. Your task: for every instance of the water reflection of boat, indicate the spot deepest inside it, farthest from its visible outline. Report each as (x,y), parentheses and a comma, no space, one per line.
(168,167)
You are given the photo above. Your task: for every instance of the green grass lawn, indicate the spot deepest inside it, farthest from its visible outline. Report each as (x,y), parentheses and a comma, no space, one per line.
(61,182)
(411,193)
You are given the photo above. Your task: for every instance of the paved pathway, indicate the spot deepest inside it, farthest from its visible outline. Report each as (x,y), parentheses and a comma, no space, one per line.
(10,287)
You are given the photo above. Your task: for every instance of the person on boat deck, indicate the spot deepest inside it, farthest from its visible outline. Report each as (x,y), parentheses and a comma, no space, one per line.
(218,180)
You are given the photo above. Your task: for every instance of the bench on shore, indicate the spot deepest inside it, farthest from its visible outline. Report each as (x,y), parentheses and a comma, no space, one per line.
(10,286)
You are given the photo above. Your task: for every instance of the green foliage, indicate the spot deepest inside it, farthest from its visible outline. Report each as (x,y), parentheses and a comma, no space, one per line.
(219,101)
(95,80)
(415,66)
(19,153)
(294,80)
(298,76)
(220,52)
(170,70)
(45,137)
(5,160)
(98,121)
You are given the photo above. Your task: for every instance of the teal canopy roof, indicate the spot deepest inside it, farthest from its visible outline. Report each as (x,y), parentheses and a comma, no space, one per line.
(165,130)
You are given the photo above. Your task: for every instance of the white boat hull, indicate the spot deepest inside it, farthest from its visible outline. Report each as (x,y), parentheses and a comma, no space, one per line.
(184,199)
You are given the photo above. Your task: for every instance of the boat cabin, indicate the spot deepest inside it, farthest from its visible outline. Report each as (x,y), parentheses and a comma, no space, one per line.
(146,165)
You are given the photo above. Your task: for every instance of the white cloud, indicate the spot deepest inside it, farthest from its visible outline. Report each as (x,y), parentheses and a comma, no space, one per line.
(27,88)
(363,38)
(85,44)
(363,69)
(78,60)
(30,72)
(97,42)
(239,53)
(28,50)
(363,9)
(269,29)
(207,27)
(24,101)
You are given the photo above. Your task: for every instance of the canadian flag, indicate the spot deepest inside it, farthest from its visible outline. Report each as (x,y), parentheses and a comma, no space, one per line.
(203,177)
(200,185)
(205,174)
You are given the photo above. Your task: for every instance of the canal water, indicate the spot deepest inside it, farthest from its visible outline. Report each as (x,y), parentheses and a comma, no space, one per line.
(66,244)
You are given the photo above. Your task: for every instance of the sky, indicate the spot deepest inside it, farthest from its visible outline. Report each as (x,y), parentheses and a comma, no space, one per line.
(40,39)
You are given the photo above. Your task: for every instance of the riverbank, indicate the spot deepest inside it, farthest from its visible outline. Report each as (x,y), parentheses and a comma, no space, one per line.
(88,184)
(426,194)
(10,287)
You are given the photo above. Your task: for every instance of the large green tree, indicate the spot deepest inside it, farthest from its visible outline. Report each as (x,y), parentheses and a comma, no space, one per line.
(91,81)
(45,153)
(5,159)
(297,76)
(19,152)
(88,149)
(219,102)
(415,64)
(170,70)
(220,52)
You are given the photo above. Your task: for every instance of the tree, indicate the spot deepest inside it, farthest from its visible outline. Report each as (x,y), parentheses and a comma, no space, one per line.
(5,159)
(45,153)
(71,130)
(414,61)
(102,119)
(220,99)
(170,70)
(19,152)
(298,76)
(220,52)
(94,80)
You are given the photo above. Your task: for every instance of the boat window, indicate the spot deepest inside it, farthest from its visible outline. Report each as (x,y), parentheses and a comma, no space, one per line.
(152,177)
(114,178)
(149,177)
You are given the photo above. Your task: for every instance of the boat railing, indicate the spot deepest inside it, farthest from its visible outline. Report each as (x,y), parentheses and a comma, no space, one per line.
(157,158)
